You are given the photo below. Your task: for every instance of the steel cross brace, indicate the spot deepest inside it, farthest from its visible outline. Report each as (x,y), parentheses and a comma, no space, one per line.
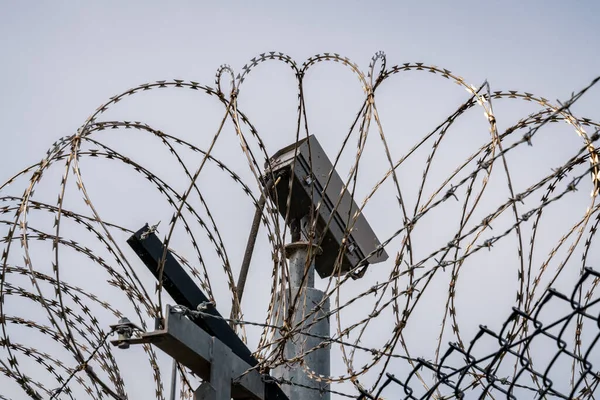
(202,341)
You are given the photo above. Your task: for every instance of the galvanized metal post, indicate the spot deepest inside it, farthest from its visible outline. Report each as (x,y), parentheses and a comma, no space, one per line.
(173,391)
(307,388)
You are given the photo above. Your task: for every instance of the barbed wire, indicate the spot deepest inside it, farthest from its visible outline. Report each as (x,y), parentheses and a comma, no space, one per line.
(38,283)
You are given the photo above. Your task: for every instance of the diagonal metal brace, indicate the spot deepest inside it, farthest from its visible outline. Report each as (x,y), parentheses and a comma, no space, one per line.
(182,288)
(187,340)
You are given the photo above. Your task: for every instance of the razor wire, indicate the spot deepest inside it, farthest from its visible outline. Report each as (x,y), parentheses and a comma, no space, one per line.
(530,379)
(79,359)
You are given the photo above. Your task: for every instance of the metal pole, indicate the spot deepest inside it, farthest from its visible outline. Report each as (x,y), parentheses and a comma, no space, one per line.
(318,360)
(241,283)
(173,380)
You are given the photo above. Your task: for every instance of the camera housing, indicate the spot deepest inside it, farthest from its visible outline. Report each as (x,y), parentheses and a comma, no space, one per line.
(307,164)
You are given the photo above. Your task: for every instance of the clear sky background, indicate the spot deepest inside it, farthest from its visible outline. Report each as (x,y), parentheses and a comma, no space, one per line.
(60,60)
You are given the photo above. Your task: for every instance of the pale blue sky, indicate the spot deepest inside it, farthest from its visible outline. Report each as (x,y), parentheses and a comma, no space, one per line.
(61,60)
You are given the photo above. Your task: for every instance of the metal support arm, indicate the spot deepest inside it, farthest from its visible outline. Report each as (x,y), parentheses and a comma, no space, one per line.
(225,375)
(187,340)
